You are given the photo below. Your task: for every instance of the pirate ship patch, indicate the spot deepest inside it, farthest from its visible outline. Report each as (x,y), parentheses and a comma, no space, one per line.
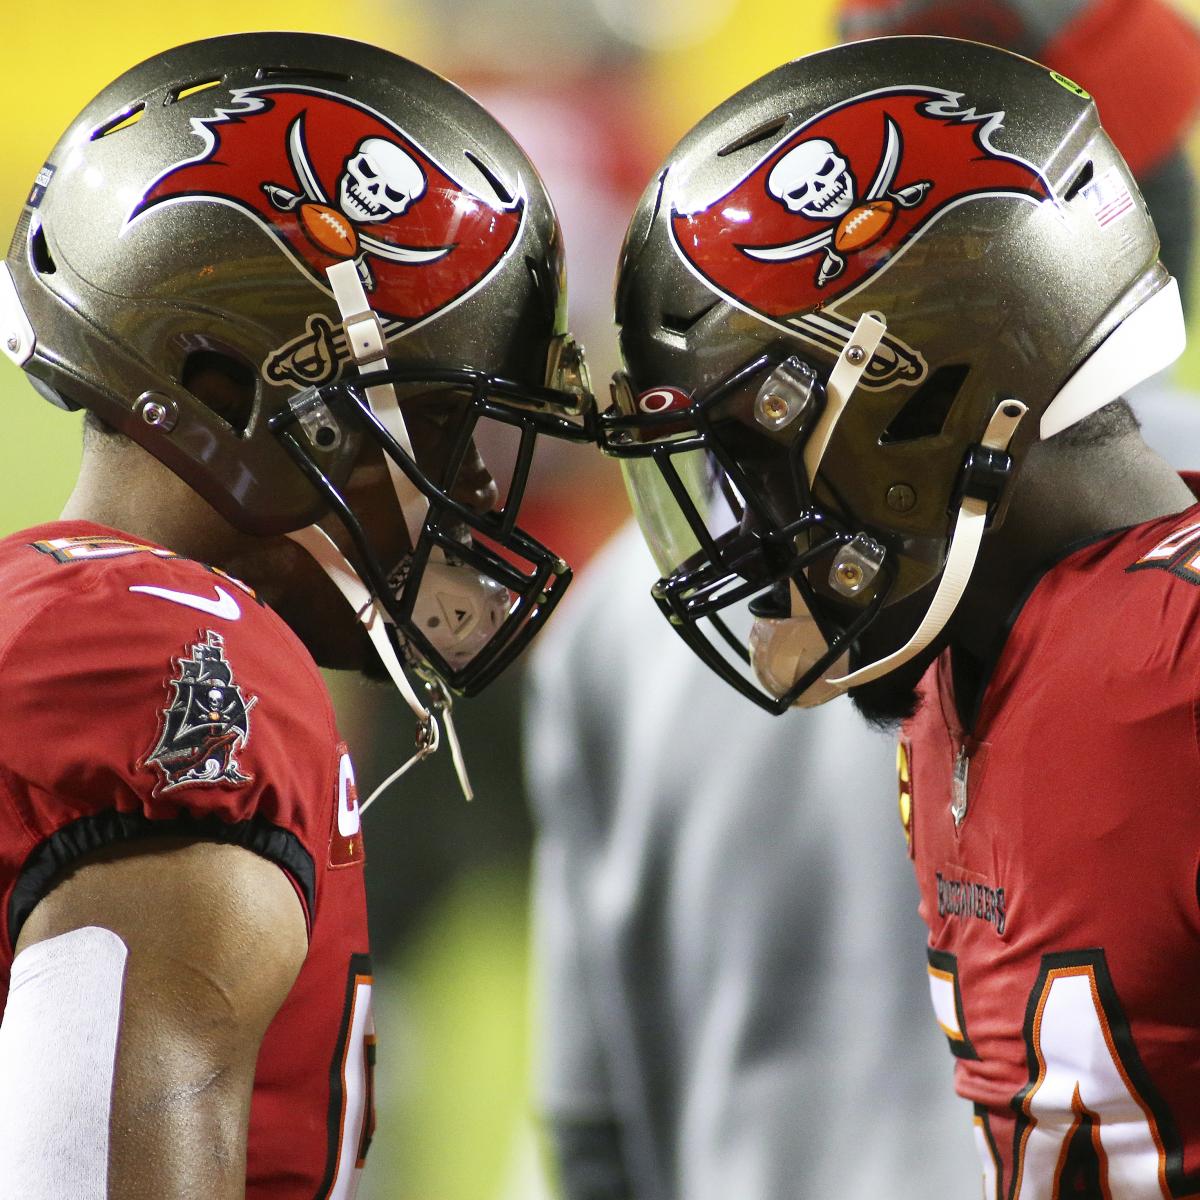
(206,723)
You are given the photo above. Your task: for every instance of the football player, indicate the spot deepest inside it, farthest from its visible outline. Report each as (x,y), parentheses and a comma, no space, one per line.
(878,312)
(292,279)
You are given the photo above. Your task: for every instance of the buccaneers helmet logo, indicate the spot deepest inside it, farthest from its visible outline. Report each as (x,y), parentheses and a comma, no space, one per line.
(330,179)
(841,198)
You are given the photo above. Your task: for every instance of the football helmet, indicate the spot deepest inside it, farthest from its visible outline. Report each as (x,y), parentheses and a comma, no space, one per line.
(356,240)
(853,297)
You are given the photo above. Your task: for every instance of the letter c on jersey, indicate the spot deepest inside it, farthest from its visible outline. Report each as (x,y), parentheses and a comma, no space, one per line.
(345,829)
(348,820)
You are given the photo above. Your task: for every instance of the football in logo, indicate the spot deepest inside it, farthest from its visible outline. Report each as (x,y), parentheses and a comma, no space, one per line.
(842,196)
(329,230)
(864,226)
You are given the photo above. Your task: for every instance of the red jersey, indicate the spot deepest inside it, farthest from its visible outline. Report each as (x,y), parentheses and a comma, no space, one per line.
(143,694)
(1056,845)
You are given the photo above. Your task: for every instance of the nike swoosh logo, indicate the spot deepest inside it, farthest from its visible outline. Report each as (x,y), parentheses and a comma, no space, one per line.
(224,606)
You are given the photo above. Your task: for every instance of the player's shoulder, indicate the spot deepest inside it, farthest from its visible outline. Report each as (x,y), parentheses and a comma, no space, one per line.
(90,612)
(75,582)
(1169,547)
(1136,588)
(1146,561)
(51,563)
(120,654)
(147,693)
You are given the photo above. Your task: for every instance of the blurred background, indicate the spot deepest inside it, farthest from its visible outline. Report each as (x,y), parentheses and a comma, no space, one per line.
(597,91)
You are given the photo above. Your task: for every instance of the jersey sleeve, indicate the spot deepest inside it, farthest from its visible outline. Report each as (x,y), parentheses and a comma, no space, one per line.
(146,698)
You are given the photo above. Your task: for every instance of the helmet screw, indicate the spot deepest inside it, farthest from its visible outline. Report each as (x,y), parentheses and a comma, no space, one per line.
(786,395)
(850,575)
(14,343)
(157,411)
(855,355)
(774,408)
(901,498)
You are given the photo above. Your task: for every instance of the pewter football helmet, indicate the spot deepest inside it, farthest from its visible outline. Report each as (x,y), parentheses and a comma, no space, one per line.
(354,238)
(854,295)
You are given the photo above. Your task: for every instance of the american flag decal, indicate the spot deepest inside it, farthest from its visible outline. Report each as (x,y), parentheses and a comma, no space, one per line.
(1109,197)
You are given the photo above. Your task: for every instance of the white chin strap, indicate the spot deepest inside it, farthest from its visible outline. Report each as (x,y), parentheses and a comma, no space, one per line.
(1146,342)
(960,560)
(369,611)
(368,345)
(367,342)
(850,367)
(784,647)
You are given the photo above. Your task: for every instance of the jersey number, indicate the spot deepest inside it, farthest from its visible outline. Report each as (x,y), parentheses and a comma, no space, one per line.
(1090,1120)
(351,1088)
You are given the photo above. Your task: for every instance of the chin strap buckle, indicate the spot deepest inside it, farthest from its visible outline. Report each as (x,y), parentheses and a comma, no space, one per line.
(985,475)
(988,467)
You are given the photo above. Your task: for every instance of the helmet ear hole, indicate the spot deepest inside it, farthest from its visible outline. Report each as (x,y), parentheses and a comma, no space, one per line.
(546,293)
(222,383)
(924,413)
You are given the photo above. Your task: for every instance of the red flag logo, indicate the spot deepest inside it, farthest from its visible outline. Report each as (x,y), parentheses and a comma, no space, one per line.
(840,198)
(330,179)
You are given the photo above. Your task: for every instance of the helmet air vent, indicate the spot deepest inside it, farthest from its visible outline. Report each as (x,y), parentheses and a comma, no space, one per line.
(924,413)
(681,324)
(503,194)
(125,119)
(541,286)
(39,251)
(760,133)
(302,73)
(658,194)
(1079,182)
(190,89)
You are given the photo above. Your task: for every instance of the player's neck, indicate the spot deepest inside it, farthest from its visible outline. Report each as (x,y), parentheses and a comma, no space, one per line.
(123,487)
(1064,497)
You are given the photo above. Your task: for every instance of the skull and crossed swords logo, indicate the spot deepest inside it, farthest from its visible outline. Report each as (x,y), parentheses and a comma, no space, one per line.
(920,150)
(816,180)
(331,179)
(380,180)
